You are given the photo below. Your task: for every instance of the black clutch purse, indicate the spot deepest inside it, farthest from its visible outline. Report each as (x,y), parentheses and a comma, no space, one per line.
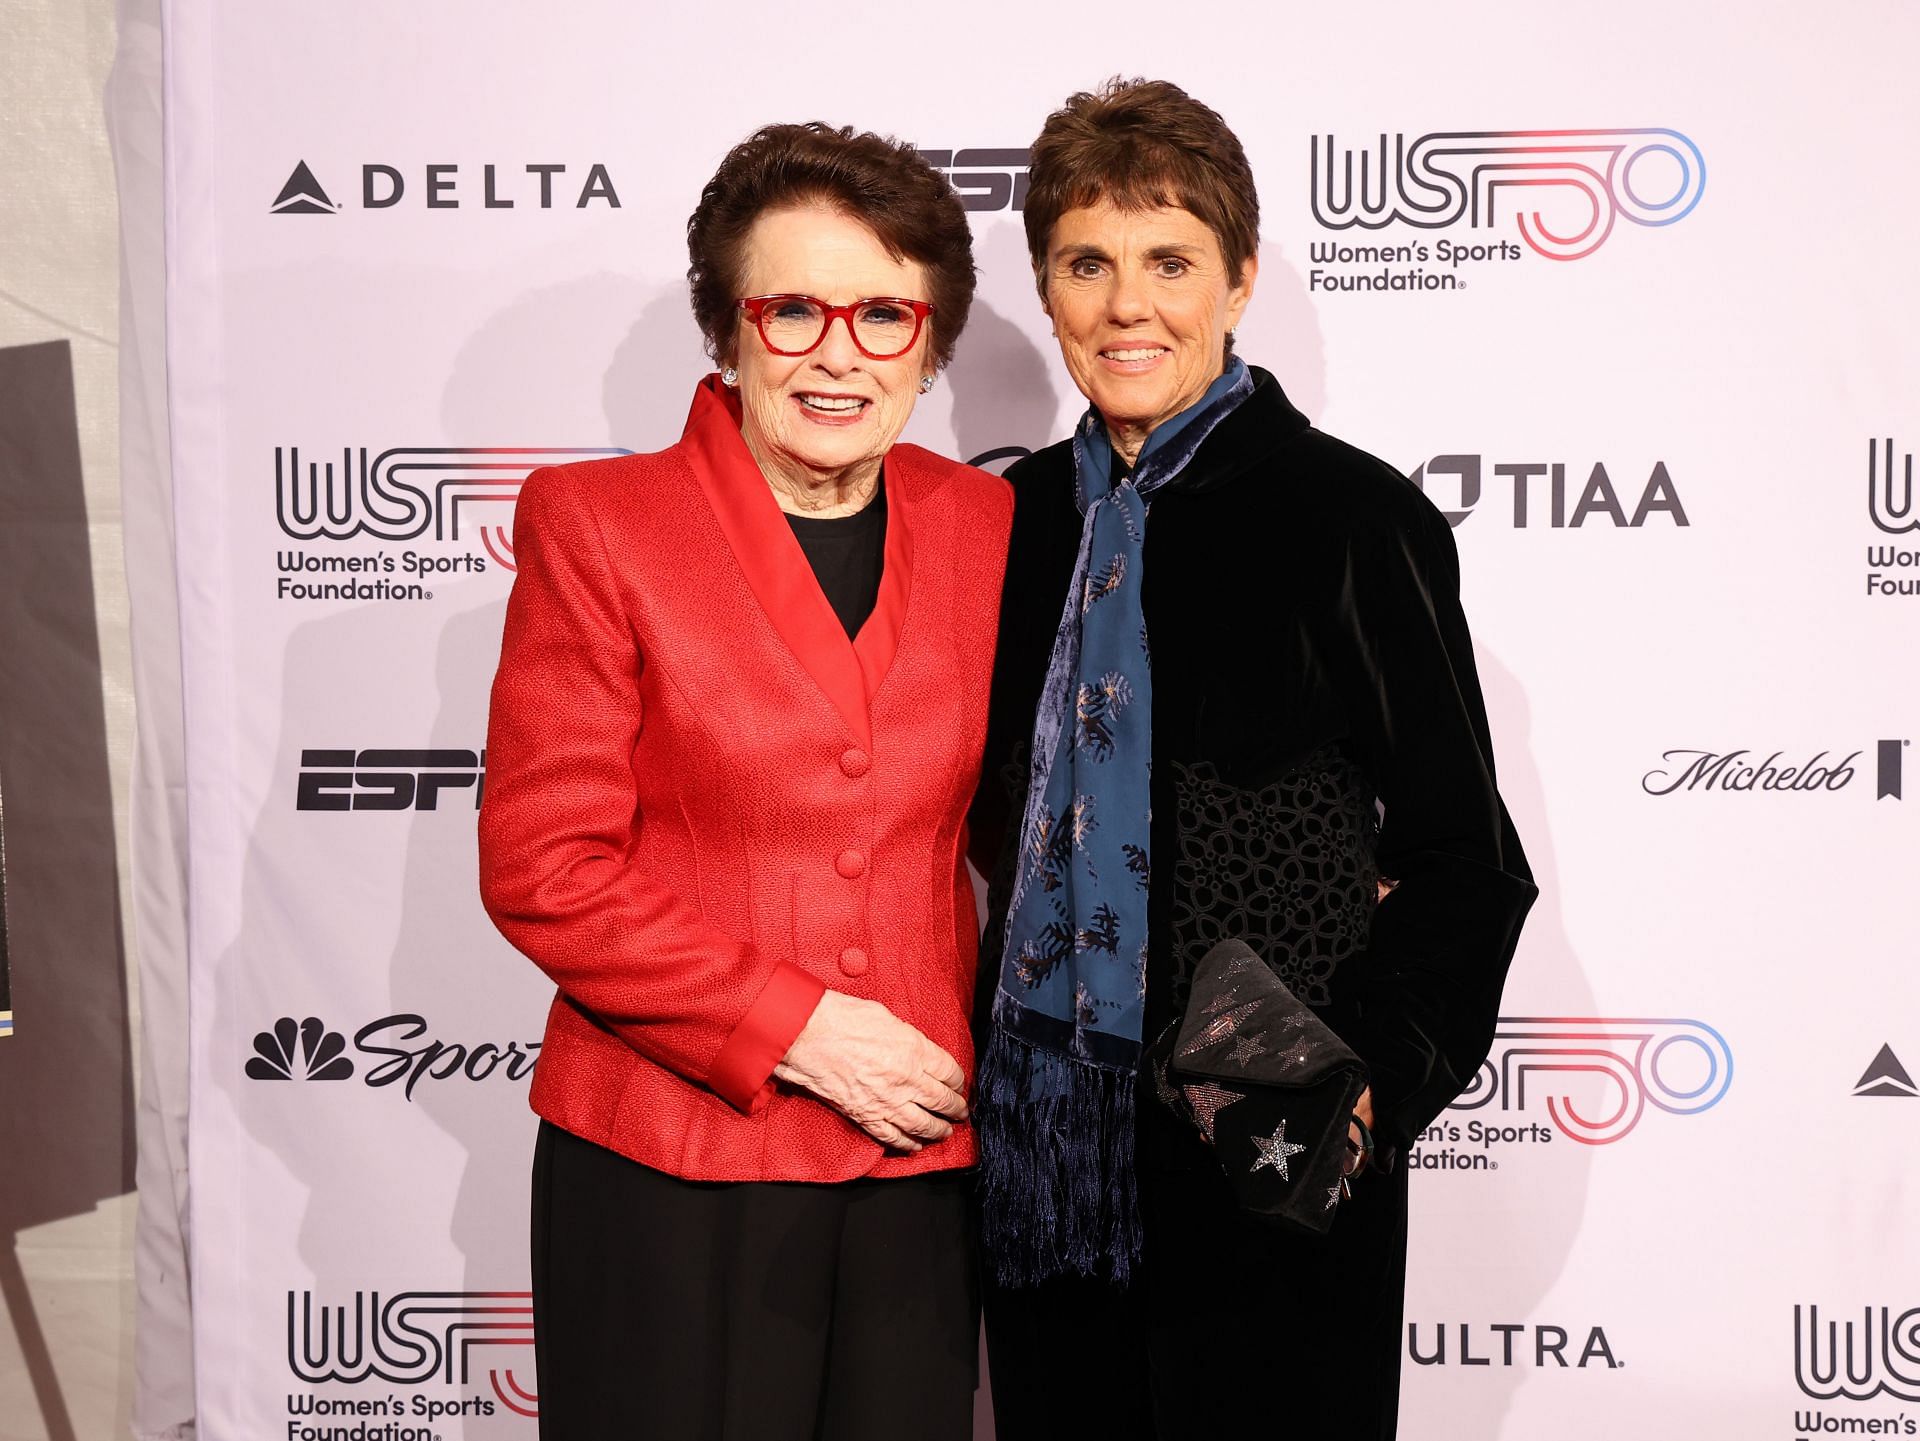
(1268,1084)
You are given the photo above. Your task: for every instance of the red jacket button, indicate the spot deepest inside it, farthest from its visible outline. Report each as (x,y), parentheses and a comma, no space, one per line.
(855,763)
(851,864)
(853,961)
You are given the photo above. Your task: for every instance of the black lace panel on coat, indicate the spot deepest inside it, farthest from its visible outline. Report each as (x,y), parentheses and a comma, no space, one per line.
(1288,868)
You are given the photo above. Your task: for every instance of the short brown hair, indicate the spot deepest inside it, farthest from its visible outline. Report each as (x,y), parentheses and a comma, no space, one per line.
(1141,144)
(883,183)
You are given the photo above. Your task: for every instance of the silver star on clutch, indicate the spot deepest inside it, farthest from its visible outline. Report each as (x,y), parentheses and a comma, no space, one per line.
(1333,1196)
(1274,1151)
(1245,1049)
(1207,1102)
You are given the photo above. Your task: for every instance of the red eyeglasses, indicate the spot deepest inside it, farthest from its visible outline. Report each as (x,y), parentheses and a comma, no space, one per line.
(884,327)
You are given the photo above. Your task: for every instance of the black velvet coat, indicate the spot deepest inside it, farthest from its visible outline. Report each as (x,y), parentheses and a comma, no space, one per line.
(1317,727)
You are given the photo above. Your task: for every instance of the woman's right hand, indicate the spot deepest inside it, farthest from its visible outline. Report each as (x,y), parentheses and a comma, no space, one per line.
(878,1072)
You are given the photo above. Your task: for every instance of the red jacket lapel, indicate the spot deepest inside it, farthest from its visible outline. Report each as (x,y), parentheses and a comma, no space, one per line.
(776,568)
(879,638)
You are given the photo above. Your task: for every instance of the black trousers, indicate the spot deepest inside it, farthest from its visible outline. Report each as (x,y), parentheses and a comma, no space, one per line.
(1231,1328)
(748,1311)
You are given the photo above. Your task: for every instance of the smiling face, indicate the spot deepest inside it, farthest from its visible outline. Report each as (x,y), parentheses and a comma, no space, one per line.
(1142,301)
(819,424)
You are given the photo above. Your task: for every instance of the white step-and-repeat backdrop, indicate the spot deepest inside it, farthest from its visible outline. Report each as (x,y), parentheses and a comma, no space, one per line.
(1630,291)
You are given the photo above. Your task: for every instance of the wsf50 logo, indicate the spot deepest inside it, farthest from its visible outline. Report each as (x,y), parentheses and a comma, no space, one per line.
(1593,1078)
(412,1338)
(1871,1351)
(1562,191)
(459,500)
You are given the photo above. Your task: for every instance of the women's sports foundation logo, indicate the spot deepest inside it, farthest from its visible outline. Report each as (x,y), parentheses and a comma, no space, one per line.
(1561,191)
(415,1338)
(1871,1352)
(1682,1067)
(456,502)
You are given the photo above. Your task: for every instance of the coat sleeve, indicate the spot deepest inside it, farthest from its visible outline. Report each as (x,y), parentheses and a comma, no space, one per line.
(1443,938)
(558,823)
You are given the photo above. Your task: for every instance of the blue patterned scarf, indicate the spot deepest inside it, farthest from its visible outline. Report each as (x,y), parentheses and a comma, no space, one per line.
(1055,1111)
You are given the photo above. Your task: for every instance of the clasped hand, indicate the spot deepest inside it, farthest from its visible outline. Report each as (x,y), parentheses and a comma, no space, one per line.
(877,1071)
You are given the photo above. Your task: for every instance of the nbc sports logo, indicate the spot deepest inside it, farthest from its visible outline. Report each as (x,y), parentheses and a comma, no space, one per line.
(299,1050)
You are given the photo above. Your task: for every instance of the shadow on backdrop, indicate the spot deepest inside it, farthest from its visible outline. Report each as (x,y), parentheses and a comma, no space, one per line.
(66,1082)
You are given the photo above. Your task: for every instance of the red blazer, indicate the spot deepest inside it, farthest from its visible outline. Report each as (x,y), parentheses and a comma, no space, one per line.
(704,805)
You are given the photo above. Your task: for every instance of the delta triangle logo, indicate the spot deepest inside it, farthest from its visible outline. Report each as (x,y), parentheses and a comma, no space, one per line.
(303,195)
(1886,1077)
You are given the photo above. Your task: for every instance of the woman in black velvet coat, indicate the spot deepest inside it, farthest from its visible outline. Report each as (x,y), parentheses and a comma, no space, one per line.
(1322,787)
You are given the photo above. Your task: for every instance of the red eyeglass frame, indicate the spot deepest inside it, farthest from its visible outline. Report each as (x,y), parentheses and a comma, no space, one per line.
(755,307)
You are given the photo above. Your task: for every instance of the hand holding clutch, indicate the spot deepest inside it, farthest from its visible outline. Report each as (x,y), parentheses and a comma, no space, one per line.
(1269,1085)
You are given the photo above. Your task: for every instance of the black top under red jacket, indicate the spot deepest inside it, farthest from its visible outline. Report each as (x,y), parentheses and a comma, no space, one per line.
(1317,726)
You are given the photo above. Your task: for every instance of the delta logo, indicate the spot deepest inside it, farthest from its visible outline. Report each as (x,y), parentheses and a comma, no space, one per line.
(1885,1078)
(455,187)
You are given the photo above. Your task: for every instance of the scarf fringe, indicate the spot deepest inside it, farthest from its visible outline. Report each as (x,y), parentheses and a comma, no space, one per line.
(1057,1185)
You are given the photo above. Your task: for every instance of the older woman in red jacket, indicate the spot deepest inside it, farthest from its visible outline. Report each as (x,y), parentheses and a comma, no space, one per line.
(738,719)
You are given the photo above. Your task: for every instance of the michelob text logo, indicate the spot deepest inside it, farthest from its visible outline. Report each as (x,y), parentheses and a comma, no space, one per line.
(1560,191)
(1742,771)
(1593,1077)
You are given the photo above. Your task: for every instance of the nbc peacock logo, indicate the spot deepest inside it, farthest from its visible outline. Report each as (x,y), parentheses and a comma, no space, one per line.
(299,1051)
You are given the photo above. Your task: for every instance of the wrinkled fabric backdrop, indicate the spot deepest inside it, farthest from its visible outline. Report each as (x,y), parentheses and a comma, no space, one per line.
(1628,290)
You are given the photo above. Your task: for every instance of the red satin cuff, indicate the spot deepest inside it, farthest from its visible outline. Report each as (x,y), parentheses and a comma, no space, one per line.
(743,1071)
